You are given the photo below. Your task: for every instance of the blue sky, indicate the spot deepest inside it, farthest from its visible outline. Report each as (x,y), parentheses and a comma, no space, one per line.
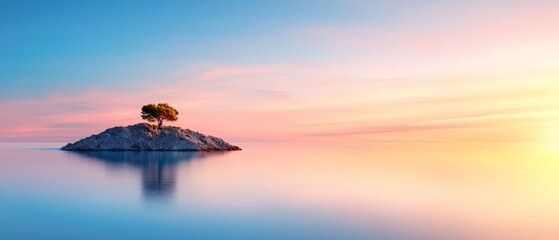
(69,45)
(254,70)
(49,45)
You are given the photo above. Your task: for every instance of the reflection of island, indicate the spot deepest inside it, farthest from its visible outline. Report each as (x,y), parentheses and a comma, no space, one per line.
(158,169)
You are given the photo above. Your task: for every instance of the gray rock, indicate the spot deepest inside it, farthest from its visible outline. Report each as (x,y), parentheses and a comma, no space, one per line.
(143,137)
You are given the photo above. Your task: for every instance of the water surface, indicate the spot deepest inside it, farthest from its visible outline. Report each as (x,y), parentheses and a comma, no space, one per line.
(283,191)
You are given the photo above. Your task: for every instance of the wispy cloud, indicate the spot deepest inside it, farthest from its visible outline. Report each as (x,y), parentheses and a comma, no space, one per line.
(468,71)
(302,102)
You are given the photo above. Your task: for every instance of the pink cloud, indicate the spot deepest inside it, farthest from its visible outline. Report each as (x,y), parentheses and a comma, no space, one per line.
(471,38)
(304,102)
(453,26)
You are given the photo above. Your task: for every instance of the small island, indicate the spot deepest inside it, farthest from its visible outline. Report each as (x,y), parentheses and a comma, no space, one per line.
(146,137)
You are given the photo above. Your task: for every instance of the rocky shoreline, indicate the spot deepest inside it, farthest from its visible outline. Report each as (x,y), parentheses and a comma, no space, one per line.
(144,137)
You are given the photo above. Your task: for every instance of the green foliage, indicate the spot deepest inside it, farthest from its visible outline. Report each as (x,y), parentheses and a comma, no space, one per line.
(159,113)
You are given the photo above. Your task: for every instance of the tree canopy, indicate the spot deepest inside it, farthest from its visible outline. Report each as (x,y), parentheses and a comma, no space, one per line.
(159,113)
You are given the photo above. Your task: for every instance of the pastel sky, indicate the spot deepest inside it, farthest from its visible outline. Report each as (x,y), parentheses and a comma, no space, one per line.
(330,70)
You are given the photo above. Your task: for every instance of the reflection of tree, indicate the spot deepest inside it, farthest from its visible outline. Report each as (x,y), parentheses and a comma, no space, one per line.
(158,177)
(158,168)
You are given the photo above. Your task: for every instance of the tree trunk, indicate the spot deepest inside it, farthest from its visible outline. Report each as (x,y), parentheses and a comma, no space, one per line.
(159,123)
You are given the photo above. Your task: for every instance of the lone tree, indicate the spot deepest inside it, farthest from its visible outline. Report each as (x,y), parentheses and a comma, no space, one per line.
(159,112)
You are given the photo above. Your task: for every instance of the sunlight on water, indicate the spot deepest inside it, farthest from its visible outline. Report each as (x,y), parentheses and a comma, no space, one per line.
(284,191)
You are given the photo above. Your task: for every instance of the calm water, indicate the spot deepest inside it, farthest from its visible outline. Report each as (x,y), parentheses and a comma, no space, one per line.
(282,191)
